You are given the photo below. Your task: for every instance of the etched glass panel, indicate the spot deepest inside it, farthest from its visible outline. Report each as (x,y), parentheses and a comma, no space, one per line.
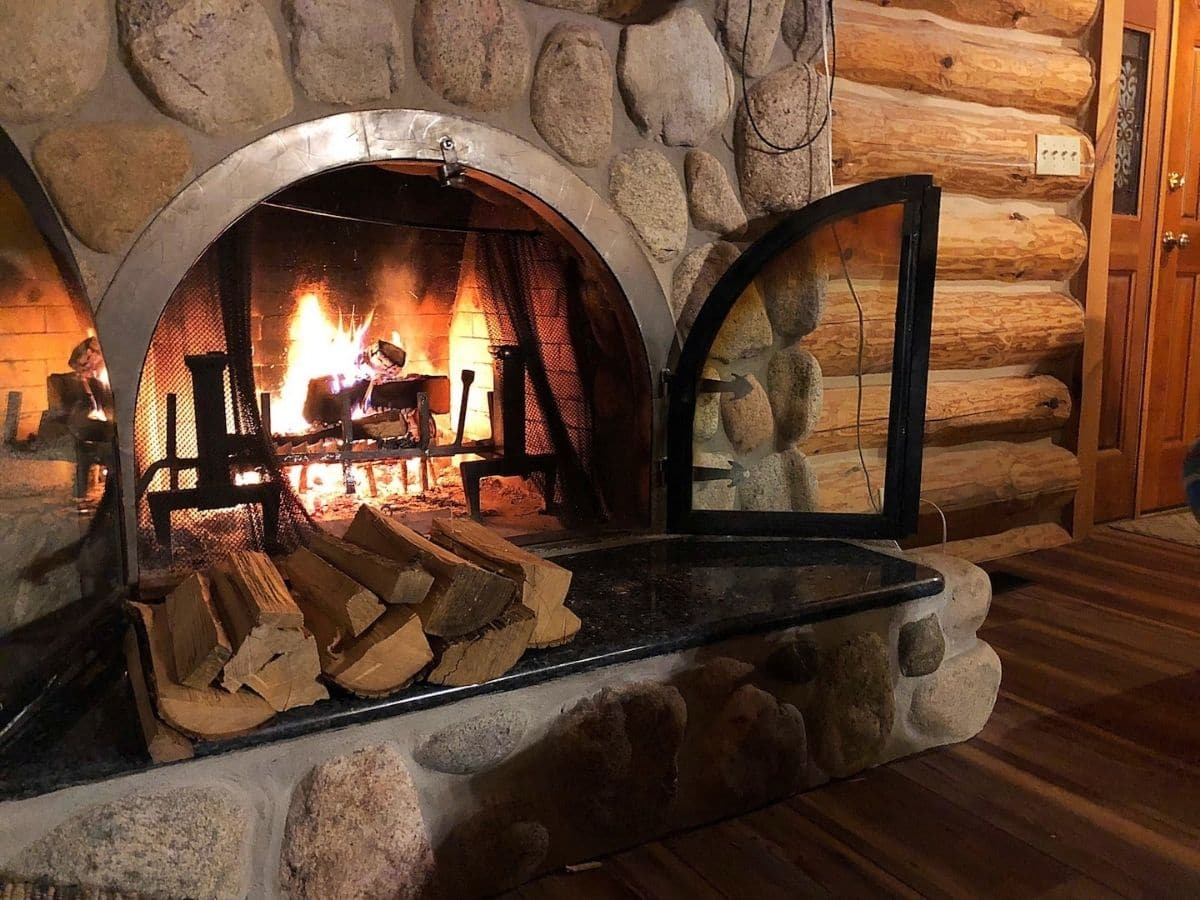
(1131,122)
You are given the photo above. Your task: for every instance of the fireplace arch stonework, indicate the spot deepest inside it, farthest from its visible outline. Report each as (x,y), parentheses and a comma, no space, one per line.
(141,287)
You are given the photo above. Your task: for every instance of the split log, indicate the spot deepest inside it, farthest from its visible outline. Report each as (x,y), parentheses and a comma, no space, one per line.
(386,658)
(392,582)
(972,329)
(206,713)
(351,606)
(485,654)
(959,477)
(544,585)
(927,57)
(1063,18)
(1015,541)
(290,679)
(956,412)
(464,597)
(198,638)
(991,155)
(163,743)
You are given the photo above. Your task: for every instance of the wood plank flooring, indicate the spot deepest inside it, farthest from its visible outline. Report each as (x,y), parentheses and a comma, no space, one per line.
(1085,783)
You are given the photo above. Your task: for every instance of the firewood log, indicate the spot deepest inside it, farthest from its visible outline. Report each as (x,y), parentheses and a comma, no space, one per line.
(198,638)
(290,679)
(351,606)
(485,654)
(163,743)
(464,597)
(391,581)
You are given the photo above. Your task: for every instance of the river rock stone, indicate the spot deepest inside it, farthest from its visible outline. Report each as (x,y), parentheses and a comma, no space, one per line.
(695,277)
(855,705)
(571,101)
(645,189)
(969,591)
(794,285)
(801,26)
(782,482)
(746,331)
(707,420)
(757,748)
(764,32)
(797,393)
(616,755)
(473,745)
(674,78)
(616,10)
(496,849)
(709,686)
(712,200)
(174,843)
(472,52)
(954,703)
(52,53)
(788,107)
(212,64)
(921,646)
(796,659)
(355,831)
(718,495)
(108,178)
(345,51)
(748,421)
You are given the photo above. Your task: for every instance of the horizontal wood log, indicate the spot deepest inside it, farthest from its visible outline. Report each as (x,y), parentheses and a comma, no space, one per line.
(386,658)
(972,329)
(393,582)
(984,154)
(959,477)
(956,412)
(1064,18)
(207,713)
(1013,542)
(1002,245)
(255,643)
(198,638)
(464,597)
(351,606)
(927,57)
(485,654)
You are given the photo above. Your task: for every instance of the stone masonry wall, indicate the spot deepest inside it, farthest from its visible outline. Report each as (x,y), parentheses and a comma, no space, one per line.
(476,796)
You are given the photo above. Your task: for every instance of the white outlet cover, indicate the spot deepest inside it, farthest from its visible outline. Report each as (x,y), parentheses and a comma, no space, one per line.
(1059,155)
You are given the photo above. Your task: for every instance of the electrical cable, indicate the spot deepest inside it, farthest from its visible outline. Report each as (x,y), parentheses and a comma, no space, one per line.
(945,527)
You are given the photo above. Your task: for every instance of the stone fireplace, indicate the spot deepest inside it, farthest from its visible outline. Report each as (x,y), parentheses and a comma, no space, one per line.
(289,284)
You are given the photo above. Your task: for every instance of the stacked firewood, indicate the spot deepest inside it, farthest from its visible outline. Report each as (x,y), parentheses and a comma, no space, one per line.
(371,612)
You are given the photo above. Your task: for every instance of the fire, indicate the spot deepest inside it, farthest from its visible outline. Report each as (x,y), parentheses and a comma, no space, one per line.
(318,347)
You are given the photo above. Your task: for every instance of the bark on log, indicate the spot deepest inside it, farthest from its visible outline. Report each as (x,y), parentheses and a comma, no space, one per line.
(198,639)
(1015,541)
(485,654)
(163,743)
(956,412)
(991,155)
(924,56)
(959,477)
(351,606)
(1063,18)
(972,329)
(464,597)
(393,582)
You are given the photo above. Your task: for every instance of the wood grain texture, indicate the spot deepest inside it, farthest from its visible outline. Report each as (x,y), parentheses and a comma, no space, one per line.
(972,329)
(956,412)
(351,606)
(198,638)
(1084,783)
(1012,542)
(163,743)
(391,581)
(924,56)
(485,654)
(1063,18)
(991,155)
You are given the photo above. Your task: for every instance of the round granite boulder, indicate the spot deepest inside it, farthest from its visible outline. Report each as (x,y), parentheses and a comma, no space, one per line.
(796,390)
(52,53)
(763,33)
(645,189)
(756,749)
(794,285)
(695,277)
(571,101)
(782,482)
(922,646)
(345,51)
(496,849)
(473,745)
(954,703)
(712,201)
(855,705)
(677,86)
(472,52)
(748,421)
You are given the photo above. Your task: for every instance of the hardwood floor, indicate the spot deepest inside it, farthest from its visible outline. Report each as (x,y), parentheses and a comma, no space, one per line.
(1085,783)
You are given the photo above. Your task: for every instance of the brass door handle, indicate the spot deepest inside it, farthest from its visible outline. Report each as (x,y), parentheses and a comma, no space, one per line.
(1170,241)
(1175,181)
(1183,241)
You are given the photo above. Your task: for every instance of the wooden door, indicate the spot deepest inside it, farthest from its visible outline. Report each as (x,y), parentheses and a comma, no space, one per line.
(1141,119)
(1172,404)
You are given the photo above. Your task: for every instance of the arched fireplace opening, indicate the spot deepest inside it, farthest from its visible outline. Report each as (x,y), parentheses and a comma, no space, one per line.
(415,337)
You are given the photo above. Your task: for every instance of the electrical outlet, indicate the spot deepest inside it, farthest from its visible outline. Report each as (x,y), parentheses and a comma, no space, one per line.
(1059,155)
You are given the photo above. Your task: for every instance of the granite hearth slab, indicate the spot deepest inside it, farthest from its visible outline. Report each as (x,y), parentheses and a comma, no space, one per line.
(637,599)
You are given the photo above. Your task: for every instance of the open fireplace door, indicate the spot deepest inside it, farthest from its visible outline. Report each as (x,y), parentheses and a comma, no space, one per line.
(797,394)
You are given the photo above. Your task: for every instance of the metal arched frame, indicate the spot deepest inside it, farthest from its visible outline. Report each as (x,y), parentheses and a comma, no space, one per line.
(910,368)
(130,309)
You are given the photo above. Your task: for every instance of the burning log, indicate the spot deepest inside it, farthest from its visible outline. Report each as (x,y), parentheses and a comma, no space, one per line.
(464,597)
(485,654)
(325,402)
(544,585)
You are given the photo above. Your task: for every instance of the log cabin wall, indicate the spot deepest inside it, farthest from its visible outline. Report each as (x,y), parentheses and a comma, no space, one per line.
(961,89)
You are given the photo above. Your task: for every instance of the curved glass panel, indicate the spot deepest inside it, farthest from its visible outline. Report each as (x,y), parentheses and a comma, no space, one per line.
(799,392)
